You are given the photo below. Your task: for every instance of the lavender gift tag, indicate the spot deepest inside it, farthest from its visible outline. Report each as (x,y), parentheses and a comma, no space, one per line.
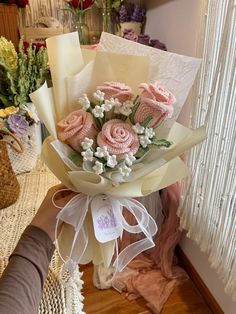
(107,226)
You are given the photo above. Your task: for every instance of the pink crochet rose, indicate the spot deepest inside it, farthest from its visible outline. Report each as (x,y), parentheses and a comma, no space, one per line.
(119,138)
(75,127)
(155,101)
(116,90)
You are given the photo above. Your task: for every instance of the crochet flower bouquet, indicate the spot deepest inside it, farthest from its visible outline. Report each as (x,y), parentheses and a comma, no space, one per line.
(111,115)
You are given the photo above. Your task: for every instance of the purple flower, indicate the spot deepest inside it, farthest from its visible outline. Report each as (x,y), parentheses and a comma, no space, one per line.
(157,44)
(138,14)
(143,39)
(123,14)
(17,124)
(130,35)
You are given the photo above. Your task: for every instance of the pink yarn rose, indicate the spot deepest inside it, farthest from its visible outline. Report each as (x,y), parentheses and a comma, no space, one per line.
(116,90)
(75,127)
(155,101)
(119,137)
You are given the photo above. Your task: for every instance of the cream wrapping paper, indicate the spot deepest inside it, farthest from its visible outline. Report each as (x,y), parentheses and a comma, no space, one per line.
(75,72)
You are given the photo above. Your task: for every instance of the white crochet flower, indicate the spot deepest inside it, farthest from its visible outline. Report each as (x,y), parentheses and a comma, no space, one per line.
(149,132)
(98,167)
(101,152)
(126,111)
(87,155)
(109,104)
(144,141)
(117,106)
(87,143)
(84,102)
(98,112)
(139,129)
(128,104)
(129,159)
(98,95)
(124,170)
(124,108)
(111,161)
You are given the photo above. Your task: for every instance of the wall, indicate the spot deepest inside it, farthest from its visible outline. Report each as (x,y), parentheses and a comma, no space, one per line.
(174,23)
(177,24)
(169,22)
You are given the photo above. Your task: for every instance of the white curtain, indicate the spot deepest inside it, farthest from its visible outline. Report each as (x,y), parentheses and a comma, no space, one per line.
(208,210)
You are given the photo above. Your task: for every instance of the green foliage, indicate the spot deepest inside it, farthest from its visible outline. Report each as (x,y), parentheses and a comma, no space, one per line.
(29,75)
(76,159)
(161,143)
(116,4)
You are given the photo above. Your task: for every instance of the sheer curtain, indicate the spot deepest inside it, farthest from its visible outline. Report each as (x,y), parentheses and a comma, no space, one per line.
(208,208)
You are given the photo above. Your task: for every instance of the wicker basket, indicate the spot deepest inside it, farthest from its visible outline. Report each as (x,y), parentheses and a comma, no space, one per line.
(9,186)
(26,161)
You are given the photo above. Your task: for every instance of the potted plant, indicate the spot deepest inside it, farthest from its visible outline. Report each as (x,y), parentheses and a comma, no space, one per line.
(131,17)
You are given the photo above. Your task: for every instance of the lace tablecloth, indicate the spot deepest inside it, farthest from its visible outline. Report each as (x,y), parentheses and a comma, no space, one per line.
(13,221)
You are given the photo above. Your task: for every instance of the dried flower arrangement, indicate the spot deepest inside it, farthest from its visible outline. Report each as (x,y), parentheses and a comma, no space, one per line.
(20,74)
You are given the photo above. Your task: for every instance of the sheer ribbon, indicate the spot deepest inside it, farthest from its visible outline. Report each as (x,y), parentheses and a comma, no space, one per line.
(75,211)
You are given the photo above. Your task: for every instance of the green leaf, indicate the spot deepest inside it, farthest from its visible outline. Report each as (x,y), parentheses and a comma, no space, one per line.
(161,143)
(76,159)
(5,101)
(141,152)
(146,121)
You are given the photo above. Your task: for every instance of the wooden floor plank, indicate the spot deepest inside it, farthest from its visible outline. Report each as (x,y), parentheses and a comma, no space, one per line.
(184,299)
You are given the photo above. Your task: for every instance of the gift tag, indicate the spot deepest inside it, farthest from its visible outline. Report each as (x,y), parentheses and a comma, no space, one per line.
(107,226)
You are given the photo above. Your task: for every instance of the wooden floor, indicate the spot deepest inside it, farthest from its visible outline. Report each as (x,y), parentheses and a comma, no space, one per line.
(184,299)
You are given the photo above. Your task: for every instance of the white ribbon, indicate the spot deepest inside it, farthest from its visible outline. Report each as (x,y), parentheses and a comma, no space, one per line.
(75,211)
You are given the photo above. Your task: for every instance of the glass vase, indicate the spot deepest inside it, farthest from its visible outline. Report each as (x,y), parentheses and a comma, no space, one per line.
(82,29)
(107,16)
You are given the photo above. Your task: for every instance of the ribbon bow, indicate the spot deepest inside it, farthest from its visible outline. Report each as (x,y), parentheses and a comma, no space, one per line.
(110,210)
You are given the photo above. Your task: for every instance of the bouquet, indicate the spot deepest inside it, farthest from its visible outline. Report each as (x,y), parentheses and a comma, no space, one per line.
(111,115)
(21,73)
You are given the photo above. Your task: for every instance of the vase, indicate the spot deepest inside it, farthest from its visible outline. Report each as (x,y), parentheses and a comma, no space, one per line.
(82,29)
(134,26)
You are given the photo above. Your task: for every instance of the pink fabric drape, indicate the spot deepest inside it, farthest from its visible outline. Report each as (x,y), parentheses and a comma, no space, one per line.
(153,275)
